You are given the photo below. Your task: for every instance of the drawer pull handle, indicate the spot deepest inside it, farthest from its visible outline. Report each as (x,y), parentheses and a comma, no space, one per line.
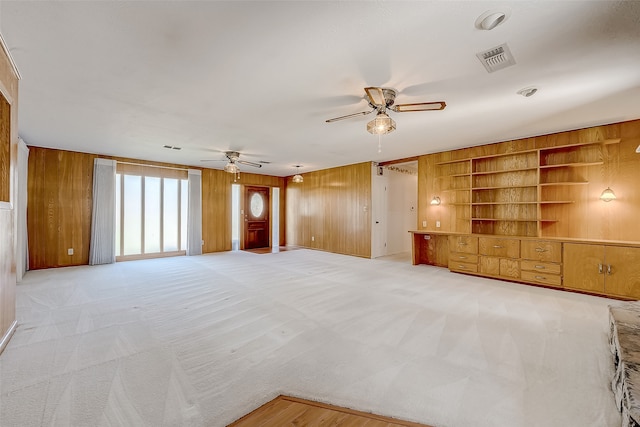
(609,269)
(541,250)
(462,257)
(462,244)
(462,267)
(540,267)
(600,269)
(541,278)
(497,246)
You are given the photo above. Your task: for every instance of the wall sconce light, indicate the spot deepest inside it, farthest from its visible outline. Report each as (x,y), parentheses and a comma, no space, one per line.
(435,201)
(608,195)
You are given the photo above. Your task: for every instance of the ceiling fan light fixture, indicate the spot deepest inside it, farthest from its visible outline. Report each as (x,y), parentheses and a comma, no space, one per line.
(381,125)
(231,168)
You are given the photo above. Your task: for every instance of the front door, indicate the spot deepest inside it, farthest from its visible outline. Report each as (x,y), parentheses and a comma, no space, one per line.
(256,217)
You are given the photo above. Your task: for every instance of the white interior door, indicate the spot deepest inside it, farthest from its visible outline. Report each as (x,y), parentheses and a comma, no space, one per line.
(379,200)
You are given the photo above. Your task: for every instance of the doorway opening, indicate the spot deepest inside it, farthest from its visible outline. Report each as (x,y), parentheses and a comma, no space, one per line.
(394,210)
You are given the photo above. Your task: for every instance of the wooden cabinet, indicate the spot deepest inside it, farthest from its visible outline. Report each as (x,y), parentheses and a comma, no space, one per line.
(603,269)
(541,262)
(463,253)
(622,271)
(499,257)
(610,269)
(431,249)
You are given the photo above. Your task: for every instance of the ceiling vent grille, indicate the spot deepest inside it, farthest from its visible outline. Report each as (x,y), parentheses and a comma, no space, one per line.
(496,58)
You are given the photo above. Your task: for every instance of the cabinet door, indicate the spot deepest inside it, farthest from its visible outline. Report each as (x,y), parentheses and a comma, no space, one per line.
(581,267)
(510,268)
(623,278)
(490,265)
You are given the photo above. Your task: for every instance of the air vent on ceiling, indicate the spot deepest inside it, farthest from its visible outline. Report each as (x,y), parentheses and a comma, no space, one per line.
(496,58)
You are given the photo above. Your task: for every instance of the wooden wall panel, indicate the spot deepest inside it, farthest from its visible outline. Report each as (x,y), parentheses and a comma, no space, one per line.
(8,173)
(5,150)
(588,217)
(60,202)
(331,210)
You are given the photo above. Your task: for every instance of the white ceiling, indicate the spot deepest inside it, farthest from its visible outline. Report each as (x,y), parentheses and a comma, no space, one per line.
(125,78)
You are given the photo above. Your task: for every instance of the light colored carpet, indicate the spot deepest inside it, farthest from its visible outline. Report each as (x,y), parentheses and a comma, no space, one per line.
(196,341)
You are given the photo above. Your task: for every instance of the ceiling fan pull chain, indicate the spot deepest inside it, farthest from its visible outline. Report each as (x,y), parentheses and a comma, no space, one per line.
(379,143)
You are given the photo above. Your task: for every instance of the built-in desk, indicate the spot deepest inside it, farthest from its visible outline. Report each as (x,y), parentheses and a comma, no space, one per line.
(609,268)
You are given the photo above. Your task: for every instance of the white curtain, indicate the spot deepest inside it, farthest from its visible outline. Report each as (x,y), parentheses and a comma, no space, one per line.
(194,222)
(21,238)
(103,218)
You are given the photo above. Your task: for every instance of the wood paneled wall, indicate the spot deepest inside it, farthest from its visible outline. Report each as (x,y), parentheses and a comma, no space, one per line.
(586,218)
(216,206)
(60,202)
(9,90)
(331,210)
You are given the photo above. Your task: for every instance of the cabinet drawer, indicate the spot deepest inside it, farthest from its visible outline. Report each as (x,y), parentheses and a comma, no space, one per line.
(509,248)
(463,266)
(464,244)
(541,250)
(544,278)
(462,257)
(541,267)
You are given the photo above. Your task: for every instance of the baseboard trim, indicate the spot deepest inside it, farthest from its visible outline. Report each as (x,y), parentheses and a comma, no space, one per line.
(8,335)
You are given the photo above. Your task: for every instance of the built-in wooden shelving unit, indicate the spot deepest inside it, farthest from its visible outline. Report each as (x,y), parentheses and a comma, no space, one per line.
(515,193)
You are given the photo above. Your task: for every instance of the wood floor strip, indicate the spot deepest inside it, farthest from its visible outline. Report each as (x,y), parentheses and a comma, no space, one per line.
(293,411)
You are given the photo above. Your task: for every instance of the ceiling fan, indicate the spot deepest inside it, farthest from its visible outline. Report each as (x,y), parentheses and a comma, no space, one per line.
(233,160)
(381,99)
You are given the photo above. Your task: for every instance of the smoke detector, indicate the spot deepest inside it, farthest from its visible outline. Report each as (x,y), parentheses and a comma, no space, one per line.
(527,91)
(490,19)
(496,58)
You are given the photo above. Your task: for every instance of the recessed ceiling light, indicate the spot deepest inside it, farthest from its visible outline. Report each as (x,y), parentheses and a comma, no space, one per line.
(527,91)
(490,19)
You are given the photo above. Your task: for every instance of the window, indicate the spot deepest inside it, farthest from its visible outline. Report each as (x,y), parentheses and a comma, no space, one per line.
(151,212)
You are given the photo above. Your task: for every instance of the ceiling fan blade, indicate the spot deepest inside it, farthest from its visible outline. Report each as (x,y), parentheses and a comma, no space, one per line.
(376,96)
(214,160)
(422,106)
(362,113)
(244,162)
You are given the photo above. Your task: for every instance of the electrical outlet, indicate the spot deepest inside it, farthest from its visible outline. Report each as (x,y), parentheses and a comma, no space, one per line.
(313,238)
(437,224)
(70,251)
(424,223)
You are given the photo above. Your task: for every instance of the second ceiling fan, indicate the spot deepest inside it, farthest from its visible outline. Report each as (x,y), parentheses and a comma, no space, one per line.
(381,99)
